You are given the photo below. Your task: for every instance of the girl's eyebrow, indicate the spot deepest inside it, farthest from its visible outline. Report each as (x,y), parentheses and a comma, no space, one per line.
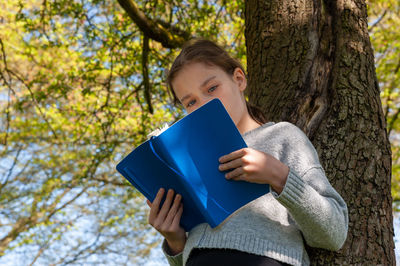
(185,97)
(202,85)
(207,80)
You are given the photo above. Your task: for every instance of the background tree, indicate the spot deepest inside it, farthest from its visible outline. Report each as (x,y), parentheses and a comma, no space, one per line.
(81,84)
(311,63)
(384,23)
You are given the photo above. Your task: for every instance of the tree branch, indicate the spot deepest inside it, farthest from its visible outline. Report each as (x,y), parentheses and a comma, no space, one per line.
(146,82)
(377,21)
(156,31)
(11,169)
(10,89)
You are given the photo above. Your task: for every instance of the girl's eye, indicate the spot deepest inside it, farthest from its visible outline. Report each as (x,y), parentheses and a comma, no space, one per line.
(213,88)
(192,102)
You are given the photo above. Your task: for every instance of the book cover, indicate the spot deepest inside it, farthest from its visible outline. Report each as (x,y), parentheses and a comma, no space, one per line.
(185,158)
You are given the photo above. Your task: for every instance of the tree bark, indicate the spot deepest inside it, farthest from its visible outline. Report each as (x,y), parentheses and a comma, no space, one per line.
(311,63)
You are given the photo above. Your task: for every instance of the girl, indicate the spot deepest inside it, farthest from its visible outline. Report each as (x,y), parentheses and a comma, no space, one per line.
(270,230)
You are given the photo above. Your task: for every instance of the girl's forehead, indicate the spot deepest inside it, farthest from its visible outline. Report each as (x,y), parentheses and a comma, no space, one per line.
(197,74)
(194,77)
(198,71)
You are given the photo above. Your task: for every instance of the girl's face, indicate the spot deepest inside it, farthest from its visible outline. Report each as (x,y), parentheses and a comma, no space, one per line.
(197,83)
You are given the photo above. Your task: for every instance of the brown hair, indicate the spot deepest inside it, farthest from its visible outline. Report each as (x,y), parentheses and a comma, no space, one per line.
(210,53)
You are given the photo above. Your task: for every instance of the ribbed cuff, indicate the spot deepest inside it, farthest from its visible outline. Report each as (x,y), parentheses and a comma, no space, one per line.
(293,190)
(254,245)
(173,260)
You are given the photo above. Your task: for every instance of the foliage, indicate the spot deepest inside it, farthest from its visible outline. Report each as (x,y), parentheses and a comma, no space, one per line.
(384,24)
(72,103)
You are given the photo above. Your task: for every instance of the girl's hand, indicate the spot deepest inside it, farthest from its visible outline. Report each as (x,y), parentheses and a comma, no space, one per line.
(255,166)
(166,220)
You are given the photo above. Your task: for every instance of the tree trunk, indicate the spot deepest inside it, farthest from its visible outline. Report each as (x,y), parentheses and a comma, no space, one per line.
(311,63)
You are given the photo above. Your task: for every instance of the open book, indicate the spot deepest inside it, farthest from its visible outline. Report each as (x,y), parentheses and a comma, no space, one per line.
(185,158)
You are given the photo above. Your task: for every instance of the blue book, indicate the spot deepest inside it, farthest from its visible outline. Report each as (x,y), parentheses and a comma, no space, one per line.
(185,158)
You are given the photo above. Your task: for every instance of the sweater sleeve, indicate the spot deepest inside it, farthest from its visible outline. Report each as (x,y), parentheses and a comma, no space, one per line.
(319,211)
(173,260)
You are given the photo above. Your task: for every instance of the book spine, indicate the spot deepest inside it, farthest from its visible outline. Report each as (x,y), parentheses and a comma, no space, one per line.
(199,202)
(200,199)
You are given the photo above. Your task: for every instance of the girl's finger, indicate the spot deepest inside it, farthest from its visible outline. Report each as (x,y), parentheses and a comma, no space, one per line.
(148,203)
(241,177)
(233,155)
(155,206)
(235,173)
(174,209)
(166,206)
(230,165)
(177,217)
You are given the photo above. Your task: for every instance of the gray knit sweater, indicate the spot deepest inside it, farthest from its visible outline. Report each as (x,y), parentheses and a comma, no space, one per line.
(275,225)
